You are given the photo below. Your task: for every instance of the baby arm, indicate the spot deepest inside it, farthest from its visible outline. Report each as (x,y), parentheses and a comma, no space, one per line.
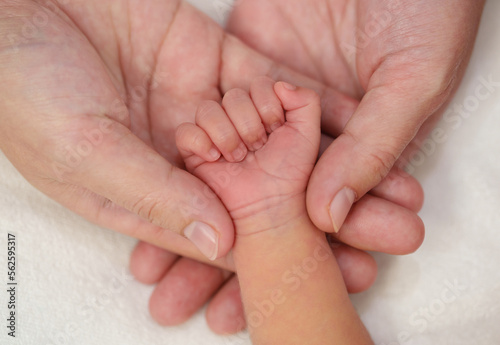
(292,289)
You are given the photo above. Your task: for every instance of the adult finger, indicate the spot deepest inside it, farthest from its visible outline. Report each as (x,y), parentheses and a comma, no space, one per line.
(225,314)
(184,290)
(149,263)
(358,268)
(373,224)
(186,287)
(225,311)
(400,188)
(378,225)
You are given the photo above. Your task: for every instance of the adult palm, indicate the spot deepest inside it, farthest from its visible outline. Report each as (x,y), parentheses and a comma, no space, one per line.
(91,95)
(401,60)
(89,108)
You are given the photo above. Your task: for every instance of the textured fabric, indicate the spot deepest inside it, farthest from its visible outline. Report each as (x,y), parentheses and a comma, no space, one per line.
(74,286)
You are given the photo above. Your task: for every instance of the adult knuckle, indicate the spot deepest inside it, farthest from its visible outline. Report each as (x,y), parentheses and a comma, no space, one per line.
(155,205)
(148,207)
(378,161)
(438,85)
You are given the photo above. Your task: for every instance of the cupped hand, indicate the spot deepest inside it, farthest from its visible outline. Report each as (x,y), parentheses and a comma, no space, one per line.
(91,96)
(400,60)
(90,101)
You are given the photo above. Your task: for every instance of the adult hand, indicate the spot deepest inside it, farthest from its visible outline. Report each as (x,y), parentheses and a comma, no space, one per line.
(91,96)
(401,60)
(89,107)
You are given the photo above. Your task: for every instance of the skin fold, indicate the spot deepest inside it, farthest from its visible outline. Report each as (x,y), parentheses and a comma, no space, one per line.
(88,111)
(292,289)
(401,61)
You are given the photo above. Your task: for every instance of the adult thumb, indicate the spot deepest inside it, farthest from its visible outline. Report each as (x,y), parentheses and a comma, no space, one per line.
(112,162)
(379,130)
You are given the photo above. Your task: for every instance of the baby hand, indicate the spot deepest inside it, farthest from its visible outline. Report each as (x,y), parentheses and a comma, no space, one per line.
(256,175)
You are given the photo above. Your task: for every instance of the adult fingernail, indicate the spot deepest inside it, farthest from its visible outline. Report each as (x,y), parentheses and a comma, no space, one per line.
(340,206)
(204,237)
(289,86)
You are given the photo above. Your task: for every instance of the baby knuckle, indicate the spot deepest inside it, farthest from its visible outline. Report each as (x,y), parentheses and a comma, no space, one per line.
(234,95)
(271,111)
(205,110)
(181,132)
(197,140)
(224,137)
(251,133)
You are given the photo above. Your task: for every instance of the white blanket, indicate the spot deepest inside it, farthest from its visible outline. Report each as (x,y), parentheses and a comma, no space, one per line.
(74,286)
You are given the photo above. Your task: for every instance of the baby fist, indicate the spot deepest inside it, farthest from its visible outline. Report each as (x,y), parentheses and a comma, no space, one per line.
(256,150)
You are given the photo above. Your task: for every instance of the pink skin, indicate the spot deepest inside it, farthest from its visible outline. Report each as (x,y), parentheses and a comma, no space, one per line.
(386,55)
(279,169)
(361,270)
(264,192)
(102,67)
(274,28)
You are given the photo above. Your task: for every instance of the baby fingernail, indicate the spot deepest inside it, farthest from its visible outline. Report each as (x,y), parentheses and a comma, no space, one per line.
(214,154)
(259,143)
(340,206)
(204,237)
(239,153)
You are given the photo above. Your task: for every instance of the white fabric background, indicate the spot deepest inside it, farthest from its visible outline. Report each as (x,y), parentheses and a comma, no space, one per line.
(74,287)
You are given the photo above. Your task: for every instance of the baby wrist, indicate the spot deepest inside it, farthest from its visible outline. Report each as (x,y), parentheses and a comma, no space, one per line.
(275,218)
